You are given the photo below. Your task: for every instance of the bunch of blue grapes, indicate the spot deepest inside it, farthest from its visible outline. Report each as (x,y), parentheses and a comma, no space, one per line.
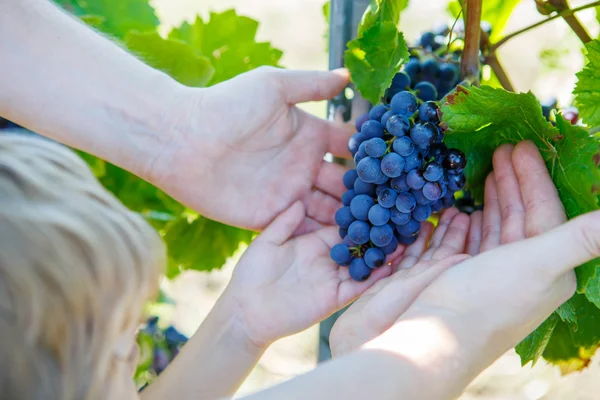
(404,173)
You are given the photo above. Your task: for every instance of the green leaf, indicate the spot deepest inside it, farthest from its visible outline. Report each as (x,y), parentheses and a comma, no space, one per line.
(374,58)
(532,347)
(380,11)
(496,12)
(198,243)
(118,16)
(588,86)
(173,57)
(229,41)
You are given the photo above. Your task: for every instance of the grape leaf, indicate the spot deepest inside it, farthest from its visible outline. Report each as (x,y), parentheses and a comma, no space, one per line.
(381,10)
(198,243)
(374,58)
(587,89)
(496,12)
(532,347)
(114,17)
(229,41)
(172,57)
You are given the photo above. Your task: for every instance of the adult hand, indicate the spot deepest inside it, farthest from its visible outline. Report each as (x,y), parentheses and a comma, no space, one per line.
(244,152)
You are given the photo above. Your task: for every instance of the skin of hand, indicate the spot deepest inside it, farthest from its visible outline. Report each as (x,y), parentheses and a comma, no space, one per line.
(243,153)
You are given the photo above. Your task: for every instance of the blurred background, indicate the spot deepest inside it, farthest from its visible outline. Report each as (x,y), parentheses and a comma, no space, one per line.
(543,60)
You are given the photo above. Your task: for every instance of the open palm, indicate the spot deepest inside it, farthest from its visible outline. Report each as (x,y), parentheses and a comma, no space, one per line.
(251,152)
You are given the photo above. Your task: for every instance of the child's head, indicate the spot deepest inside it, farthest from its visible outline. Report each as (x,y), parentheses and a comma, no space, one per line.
(75,269)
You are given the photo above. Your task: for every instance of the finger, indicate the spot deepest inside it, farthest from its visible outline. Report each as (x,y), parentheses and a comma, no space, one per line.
(321,207)
(492,220)
(329,235)
(307,226)
(350,289)
(284,225)
(454,239)
(474,238)
(543,209)
(337,134)
(330,179)
(302,86)
(512,208)
(415,251)
(442,226)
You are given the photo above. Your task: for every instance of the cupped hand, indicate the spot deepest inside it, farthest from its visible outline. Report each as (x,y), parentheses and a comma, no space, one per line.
(244,152)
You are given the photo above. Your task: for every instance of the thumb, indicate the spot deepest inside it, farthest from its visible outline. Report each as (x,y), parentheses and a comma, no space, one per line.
(302,86)
(284,225)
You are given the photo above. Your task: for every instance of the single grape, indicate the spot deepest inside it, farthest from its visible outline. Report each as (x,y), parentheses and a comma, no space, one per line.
(391,247)
(430,69)
(371,129)
(401,81)
(449,73)
(455,159)
(360,154)
(438,151)
(428,112)
(374,258)
(415,179)
(420,197)
(160,360)
(358,232)
(362,187)
(433,172)
(456,182)
(354,142)
(359,207)
(382,180)
(399,218)
(360,121)
(340,254)
(348,196)
(369,169)
(386,117)
(398,125)
(359,271)
(377,112)
(344,217)
(349,242)
(392,165)
(412,68)
(411,228)
(413,161)
(405,202)
(426,91)
(375,147)
(444,185)
(399,184)
(437,206)
(387,198)
(343,232)
(379,215)
(349,178)
(427,39)
(421,212)
(571,114)
(380,188)
(423,134)
(381,235)
(448,200)
(432,191)
(404,103)
(406,240)
(403,146)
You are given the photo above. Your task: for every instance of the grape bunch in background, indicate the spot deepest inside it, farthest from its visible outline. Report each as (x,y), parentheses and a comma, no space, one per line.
(403,174)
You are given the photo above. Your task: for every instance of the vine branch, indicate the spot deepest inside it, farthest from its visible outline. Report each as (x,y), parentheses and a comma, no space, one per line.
(572,20)
(469,66)
(561,14)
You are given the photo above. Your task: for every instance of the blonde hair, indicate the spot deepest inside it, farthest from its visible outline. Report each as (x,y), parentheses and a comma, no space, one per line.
(75,270)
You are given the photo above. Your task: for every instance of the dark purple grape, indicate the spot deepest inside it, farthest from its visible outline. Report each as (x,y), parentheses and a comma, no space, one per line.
(399,218)
(392,165)
(437,206)
(449,73)
(423,134)
(456,182)
(433,172)
(399,184)
(386,117)
(403,146)
(379,215)
(448,200)
(377,112)
(430,69)
(415,179)
(382,180)
(413,161)
(354,142)
(413,68)
(360,154)
(401,81)
(387,198)
(349,242)
(404,103)
(398,125)
(438,151)
(428,112)
(427,40)
(359,231)
(359,207)
(411,228)
(374,258)
(381,235)
(405,202)
(340,254)
(426,91)
(375,147)
(359,271)
(160,360)
(369,169)
(432,191)
(343,232)
(362,187)
(406,240)
(420,197)
(421,213)
(371,129)
(361,120)
(380,188)
(344,217)
(391,247)
(348,196)
(455,159)
(349,178)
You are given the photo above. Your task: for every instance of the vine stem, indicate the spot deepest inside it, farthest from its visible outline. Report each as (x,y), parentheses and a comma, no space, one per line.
(572,20)
(564,13)
(469,66)
(495,65)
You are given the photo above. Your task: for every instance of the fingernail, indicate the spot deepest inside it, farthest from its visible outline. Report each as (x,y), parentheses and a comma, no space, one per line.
(343,72)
